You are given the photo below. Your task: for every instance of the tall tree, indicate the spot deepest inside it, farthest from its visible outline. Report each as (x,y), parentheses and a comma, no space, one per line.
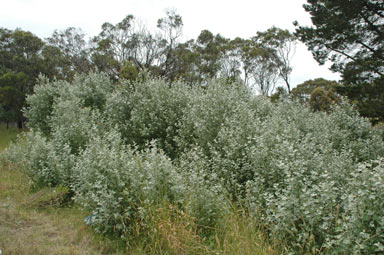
(321,100)
(263,70)
(350,33)
(217,56)
(145,48)
(230,60)
(172,28)
(20,64)
(111,49)
(20,52)
(283,43)
(13,88)
(114,39)
(259,64)
(74,48)
(242,48)
(318,93)
(186,63)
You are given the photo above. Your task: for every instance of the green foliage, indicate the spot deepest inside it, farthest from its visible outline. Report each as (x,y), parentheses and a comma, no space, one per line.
(127,152)
(201,123)
(48,163)
(283,44)
(368,98)
(280,93)
(361,230)
(86,93)
(23,57)
(20,64)
(149,111)
(42,100)
(305,89)
(321,100)
(73,52)
(121,187)
(129,72)
(124,49)
(13,87)
(350,34)
(318,93)
(205,197)
(8,135)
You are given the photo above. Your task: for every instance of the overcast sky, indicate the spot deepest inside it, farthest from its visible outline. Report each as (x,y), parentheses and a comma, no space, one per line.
(236,18)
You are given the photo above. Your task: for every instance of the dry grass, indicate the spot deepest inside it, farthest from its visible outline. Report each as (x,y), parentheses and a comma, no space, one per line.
(33,223)
(174,232)
(241,233)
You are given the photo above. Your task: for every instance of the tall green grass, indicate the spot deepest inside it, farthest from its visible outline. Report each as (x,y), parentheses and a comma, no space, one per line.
(7,135)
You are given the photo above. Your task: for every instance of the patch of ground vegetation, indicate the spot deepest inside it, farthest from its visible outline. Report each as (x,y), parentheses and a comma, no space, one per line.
(7,135)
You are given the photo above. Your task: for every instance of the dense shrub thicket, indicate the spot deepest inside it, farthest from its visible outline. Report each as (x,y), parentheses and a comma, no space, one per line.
(314,180)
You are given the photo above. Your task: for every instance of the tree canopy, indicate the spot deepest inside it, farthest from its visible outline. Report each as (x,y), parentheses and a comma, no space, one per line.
(125,49)
(349,33)
(20,63)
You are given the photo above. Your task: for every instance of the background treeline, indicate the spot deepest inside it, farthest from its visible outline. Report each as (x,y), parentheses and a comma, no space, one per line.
(126,49)
(350,34)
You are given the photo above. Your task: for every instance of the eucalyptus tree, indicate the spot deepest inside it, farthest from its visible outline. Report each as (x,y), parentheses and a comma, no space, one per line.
(259,64)
(263,70)
(242,49)
(130,42)
(171,28)
(230,64)
(211,49)
(110,50)
(283,43)
(145,48)
(185,63)
(318,93)
(304,90)
(114,39)
(74,48)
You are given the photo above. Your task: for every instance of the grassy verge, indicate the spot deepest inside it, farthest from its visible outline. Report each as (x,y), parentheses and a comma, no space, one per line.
(34,223)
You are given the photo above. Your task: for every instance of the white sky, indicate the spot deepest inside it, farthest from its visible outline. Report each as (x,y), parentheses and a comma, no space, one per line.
(239,18)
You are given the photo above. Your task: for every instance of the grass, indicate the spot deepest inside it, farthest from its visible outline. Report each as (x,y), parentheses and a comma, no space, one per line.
(34,223)
(7,135)
(45,222)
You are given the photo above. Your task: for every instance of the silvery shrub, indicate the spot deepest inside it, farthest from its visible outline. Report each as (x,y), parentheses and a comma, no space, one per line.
(121,186)
(147,111)
(314,180)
